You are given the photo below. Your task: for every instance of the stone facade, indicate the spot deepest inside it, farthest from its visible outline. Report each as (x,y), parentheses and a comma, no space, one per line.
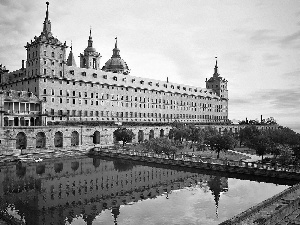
(110,94)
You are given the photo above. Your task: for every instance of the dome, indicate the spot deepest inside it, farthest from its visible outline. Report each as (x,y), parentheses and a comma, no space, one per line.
(116,65)
(90,49)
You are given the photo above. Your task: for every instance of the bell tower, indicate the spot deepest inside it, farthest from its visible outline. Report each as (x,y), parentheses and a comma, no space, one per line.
(217,83)
(45,54)
(90,58)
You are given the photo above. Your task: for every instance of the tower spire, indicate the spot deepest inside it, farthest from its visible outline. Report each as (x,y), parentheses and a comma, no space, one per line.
(47,12)
(116,51)
(47,23)
(90,41)
(216,73)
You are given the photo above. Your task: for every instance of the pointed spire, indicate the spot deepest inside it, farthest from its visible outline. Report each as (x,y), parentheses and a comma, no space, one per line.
(216,73)
(116,51)
(71,59)
(47,12)
(90,41)
(47,23)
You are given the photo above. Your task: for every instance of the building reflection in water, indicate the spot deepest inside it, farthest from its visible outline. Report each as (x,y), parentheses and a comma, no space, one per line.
(60,190)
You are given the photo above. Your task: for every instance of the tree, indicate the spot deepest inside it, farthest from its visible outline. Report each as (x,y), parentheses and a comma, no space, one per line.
(160,145)
(261,144)
(124,135)
(248,133)
(220,142)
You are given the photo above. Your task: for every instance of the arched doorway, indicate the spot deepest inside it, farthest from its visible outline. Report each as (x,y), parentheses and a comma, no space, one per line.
(96,137)
(162,133)
(74,138)
(58,167)
(140,136)
(151,134)
(58,139)
(21,141)
(74,165)
(40,140)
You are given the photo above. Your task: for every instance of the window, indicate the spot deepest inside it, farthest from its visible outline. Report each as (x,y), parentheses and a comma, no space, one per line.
(45,71)
(74,93)
(45,91)
(52,54)
(45,53)
(72,72)
(115,78)
(83,74)
(52,92)
(60,100)
(104,76)
(74,101)
(94,75)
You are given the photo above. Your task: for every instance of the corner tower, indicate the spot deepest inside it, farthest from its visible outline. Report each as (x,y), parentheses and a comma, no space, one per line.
(90,58)
(217,83)
(45,54)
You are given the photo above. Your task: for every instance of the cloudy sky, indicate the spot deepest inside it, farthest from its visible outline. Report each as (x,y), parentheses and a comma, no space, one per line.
(257,44)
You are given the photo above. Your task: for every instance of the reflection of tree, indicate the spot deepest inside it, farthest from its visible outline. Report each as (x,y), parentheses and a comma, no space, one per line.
(88,219)
(123,165)
(217,185)
(115,211)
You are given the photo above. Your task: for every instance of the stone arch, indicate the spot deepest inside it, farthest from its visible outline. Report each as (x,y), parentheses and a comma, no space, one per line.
(96,162)
(40,169)
(162,133)
(58,167)
(96,137)
(40,140)
(140,136)
(21,141)
(58,139)
(74,138)
(151,134)
(74,165)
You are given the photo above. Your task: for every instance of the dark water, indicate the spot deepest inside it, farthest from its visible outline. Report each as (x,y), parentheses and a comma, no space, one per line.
(101,191)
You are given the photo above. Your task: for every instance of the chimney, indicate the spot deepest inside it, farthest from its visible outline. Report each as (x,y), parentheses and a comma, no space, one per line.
(23,64)
(261,119)
(167,79)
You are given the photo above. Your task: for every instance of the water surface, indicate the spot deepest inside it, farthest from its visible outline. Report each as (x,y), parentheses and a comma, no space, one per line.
(86,190)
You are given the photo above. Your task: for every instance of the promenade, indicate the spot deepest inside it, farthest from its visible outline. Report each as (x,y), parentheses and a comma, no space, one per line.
(192,161)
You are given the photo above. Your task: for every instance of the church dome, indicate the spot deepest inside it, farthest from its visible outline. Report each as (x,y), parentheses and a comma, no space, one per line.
(116,64)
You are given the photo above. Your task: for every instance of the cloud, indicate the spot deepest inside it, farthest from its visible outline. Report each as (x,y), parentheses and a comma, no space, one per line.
(281,99)
(292,75)
(263,36)
(292,40)
(271,59)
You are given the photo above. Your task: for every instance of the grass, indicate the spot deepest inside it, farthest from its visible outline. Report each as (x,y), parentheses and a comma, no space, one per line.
(206,153)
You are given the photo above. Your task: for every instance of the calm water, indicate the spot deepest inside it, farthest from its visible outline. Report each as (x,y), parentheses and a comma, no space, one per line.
(97,191)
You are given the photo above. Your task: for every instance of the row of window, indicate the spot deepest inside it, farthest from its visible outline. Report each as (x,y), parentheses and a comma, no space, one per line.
(78,113)
(74,101)
(45,54)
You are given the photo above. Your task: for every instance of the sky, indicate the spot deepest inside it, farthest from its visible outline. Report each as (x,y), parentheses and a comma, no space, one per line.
(257,43)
